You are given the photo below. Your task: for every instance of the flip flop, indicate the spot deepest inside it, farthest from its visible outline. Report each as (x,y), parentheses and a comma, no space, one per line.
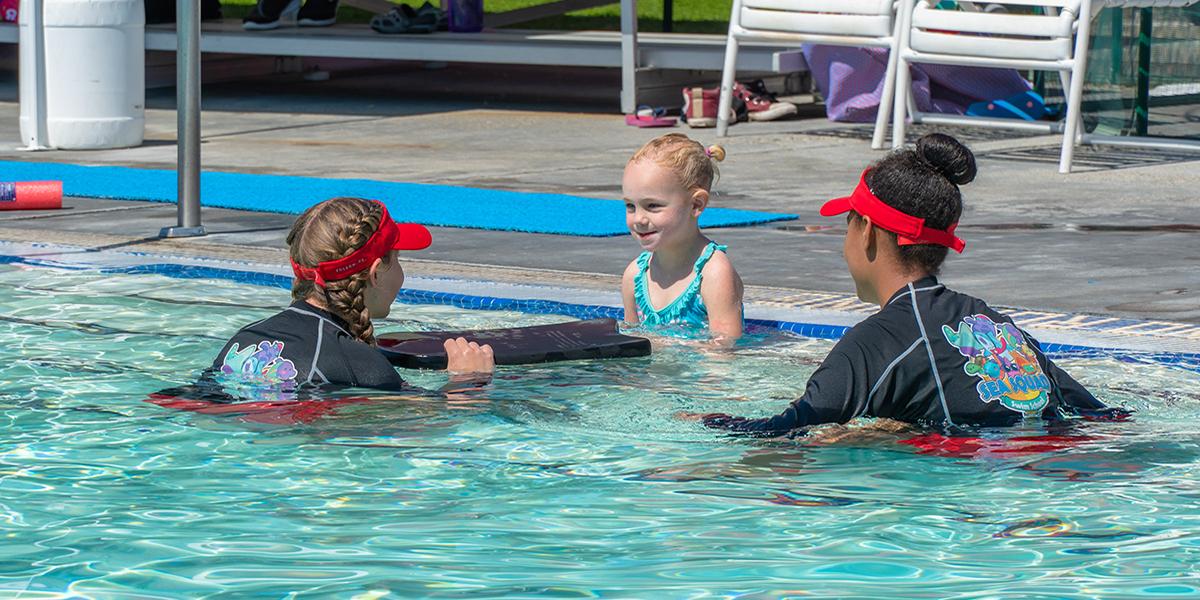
(1027,106)
(647,116)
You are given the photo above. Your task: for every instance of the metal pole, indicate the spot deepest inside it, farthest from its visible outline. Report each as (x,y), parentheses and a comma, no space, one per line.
(1117,43)
(1141,107)
(32,83)
(629,56)
(187,108)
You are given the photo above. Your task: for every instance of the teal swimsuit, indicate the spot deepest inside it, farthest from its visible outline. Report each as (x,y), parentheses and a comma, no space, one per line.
(687,309)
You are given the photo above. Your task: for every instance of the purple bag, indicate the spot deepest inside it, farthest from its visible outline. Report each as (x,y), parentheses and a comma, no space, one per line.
(851,79)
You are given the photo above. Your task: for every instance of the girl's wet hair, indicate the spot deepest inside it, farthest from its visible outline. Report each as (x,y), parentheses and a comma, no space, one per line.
(329,231)
(923,182)
(694,164)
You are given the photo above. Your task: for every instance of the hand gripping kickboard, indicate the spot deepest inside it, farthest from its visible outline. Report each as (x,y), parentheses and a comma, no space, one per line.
(597,338)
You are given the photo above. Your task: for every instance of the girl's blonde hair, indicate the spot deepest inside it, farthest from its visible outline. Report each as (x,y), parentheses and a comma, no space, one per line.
(693,163)
(329,231)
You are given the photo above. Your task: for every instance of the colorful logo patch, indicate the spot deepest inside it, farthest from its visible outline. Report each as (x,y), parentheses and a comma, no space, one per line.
(260,365)
(998,354)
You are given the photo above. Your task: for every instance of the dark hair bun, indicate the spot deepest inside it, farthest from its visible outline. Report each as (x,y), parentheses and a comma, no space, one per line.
(948,157)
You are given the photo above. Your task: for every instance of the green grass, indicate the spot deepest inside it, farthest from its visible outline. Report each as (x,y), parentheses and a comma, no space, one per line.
(691,16)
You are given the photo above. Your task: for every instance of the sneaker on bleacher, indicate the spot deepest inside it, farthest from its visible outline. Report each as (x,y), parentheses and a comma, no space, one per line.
(318,13)
(268,14)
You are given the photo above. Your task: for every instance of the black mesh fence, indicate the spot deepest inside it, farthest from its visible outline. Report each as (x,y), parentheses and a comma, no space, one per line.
(1143,73)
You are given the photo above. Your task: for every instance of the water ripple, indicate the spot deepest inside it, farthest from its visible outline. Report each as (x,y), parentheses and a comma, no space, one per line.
(569,480)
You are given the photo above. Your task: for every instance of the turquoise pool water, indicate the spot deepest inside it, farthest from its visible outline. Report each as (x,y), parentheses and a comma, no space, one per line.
(567,480)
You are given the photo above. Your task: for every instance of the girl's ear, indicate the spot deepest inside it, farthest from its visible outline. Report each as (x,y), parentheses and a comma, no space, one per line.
(869,240)
(699,202)
(373,274)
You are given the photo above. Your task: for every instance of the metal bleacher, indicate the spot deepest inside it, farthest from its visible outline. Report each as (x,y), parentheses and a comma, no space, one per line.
(627,50)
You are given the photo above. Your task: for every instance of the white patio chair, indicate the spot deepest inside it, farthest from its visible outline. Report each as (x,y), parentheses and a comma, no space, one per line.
(862,23)
(1056,40)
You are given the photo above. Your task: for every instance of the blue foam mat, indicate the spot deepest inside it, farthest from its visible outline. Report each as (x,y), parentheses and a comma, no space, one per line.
(428,204)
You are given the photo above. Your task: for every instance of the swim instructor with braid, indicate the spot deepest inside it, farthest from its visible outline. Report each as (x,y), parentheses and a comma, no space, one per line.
(344,257)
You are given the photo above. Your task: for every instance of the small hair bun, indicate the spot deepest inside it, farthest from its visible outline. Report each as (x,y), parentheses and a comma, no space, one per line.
(948,157)
(715,152)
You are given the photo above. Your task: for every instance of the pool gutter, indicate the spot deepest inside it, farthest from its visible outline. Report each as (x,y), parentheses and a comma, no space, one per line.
(811,314)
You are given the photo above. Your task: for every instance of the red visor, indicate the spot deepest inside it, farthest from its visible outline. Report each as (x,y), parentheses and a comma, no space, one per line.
(389,236)
(909,230)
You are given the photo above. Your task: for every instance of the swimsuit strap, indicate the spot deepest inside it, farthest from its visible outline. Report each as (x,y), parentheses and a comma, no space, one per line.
(640,295)
(693,289)
(688,306)
(706,255)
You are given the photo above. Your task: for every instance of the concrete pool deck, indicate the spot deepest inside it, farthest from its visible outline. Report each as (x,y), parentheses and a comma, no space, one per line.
(1118,238)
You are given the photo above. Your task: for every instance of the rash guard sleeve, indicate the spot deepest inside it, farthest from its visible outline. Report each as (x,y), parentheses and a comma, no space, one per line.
(831,396)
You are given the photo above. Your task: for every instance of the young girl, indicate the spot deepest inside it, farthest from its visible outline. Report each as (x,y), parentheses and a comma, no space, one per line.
(682,277)
(344,256)
(930,355)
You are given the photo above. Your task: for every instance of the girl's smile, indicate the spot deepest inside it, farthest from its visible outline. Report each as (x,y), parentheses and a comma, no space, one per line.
(657,209)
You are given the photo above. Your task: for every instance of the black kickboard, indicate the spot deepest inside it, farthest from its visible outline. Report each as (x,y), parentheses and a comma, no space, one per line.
(577,340)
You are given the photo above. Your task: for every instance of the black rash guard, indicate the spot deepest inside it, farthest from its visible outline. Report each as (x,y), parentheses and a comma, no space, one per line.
(302,345)
(931,356)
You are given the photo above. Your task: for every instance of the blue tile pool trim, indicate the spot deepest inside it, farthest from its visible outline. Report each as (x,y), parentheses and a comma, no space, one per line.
(1188,361)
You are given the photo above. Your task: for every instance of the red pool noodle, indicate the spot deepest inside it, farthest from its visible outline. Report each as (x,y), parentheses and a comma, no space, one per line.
(30,195)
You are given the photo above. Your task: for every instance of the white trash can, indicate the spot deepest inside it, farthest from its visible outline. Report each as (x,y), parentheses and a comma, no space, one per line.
(95,78)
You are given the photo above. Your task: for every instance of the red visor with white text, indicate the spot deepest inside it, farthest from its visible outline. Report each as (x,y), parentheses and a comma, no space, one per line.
(389,236)
(909,230)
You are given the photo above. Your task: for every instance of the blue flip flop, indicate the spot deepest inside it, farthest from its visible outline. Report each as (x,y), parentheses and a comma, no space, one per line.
(648,116)
(1027,106)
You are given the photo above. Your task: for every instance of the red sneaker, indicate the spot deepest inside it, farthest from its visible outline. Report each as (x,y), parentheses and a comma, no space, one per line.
(700,107)
(760,104)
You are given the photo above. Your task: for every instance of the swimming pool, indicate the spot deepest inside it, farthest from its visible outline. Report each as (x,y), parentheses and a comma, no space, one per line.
(566,480)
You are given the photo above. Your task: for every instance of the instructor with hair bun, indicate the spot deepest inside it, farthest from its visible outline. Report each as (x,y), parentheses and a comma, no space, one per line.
(930,356)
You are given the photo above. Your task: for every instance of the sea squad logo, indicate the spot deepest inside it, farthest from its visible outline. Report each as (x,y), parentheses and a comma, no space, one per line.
(260,365)
(998,354)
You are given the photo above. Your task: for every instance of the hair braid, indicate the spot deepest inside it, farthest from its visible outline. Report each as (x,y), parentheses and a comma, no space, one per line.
(329,231)
(345,299)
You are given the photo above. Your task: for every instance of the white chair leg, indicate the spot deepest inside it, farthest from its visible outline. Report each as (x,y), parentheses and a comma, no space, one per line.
(1071,128)
(1071,125)
(903,84)
(1065,78)
(886,101)
(731,52)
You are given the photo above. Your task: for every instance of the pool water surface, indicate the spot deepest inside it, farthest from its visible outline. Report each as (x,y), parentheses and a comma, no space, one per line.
(563,480)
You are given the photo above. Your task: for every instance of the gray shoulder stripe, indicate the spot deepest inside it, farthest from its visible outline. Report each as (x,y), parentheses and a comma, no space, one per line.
(317,352)
(887,371)
(912,290)
(937,378)
(319,318)
(255,323)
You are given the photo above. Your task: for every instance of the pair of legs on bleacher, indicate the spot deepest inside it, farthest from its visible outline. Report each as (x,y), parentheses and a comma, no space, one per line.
(269,14)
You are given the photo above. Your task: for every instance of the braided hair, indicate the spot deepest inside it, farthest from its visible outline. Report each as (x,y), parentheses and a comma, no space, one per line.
(923,182)
(329,231)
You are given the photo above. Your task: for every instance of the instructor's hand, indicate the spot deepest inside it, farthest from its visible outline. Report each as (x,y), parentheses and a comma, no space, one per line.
(463,357)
